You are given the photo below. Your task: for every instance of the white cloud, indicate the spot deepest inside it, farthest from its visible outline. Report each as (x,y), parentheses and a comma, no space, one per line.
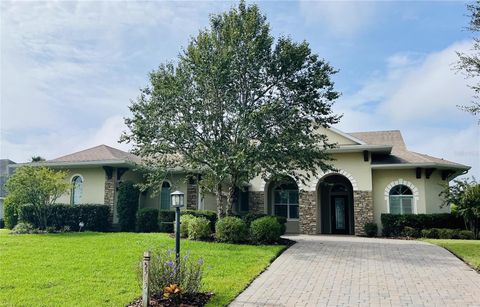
(418,94)
(339,17)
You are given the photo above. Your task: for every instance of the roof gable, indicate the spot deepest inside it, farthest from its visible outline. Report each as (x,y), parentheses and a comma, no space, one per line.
(339,137)
(391,137)
(98,153)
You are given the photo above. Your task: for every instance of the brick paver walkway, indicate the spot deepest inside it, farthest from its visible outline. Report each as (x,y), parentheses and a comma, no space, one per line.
(353,271)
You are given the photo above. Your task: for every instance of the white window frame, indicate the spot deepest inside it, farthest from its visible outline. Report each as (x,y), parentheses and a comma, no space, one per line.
(410,185)
(287,204)
(72,202)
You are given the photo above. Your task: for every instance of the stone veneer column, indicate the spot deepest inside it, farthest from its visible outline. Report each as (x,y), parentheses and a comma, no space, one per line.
(109,194)
(362,210)
(256,202)
(308,212)
(192,195)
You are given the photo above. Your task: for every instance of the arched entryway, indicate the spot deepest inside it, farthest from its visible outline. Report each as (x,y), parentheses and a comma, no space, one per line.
(335,199)
(282,199)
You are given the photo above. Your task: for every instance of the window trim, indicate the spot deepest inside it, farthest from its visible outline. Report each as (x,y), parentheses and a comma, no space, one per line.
(288,204)
(413,188)
(160,196)
(72,190)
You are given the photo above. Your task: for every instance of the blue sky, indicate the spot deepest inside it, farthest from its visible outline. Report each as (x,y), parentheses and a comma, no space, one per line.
(69,69)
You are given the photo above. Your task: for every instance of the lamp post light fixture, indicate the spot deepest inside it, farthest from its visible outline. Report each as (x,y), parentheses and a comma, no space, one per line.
(177,199)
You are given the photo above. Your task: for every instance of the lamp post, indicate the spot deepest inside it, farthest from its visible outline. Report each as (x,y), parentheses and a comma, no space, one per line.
(177,202)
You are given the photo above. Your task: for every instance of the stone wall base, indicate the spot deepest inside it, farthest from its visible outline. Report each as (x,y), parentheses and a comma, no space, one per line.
(363,210)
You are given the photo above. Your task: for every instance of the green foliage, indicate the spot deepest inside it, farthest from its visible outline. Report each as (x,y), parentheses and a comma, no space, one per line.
(465,235)
(265,230)
(184,221)
(59,216)
(164,271)
(283,224)
(249,217)
(23,228)
(371,229)
(166,219)
(411,232)
(465,194)
(2,224)
(431,233)
(38,186)
(255,103)
(127,205)
(393,224)
(209,215)
(199,229)
(444,233)
(231,229)
(10,214)
(147,220)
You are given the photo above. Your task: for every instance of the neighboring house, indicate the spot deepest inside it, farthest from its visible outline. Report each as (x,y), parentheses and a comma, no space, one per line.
(375,174)
(5,171)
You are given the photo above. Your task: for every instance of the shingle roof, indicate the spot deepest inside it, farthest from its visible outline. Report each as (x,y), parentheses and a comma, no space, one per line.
(400,154)
(98,153)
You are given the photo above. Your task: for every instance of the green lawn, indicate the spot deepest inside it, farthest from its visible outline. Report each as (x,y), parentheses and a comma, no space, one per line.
(99,269)
(468,250)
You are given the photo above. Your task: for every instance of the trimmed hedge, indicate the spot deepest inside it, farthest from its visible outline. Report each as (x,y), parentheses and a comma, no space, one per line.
(127,205)
(265,230)
(393,224)
(231,229)
(184,222)
(2,224)
(166,219)
(147,220)
(95,217)
(250,217)
(209,215)
(371,229)
(10,215)
(199,229)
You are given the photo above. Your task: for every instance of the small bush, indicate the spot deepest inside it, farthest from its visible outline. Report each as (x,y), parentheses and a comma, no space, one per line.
(209,215)
(164,272)
(393,224)
(283,223)
(184,221)
(23,228)
(199,229)
(10,215)
(265,230)
(147,220)
(465,235)
(231,230)
(127,205)
(250,217)
(431,233)
(445,233)
(371,229)
(411,232)
(166,220)
(2,224)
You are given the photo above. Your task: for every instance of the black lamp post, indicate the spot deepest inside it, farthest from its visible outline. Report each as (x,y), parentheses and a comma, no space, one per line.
(177,202)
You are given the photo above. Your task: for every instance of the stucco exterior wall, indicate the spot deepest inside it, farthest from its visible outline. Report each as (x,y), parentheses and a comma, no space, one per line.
(433,186)
(93,185)
(152,200)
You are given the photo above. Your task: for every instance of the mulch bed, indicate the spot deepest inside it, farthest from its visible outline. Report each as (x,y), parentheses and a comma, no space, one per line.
(186,300)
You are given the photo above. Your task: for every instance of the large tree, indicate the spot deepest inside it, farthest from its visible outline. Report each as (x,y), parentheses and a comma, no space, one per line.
(236,104)
(39,186)
(469,63)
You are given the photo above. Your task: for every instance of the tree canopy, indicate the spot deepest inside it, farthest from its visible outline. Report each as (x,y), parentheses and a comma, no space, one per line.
(236,104)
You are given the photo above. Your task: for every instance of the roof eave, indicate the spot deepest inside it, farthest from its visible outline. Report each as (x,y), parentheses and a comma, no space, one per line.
(359,148)
(424,165)
(65,164)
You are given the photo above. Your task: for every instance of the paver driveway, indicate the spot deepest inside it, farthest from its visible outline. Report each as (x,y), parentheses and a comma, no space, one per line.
(353,271)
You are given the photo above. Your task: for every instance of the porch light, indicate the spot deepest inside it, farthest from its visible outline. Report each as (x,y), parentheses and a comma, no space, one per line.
(177,203)
(177,199)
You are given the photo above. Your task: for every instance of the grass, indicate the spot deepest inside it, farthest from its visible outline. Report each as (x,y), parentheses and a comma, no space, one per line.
(99,269)
(467,250)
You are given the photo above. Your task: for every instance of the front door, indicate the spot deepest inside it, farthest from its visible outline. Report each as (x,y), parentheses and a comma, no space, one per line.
(339,214)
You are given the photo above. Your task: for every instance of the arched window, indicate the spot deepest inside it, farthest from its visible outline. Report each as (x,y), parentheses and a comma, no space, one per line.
(165,196)
(401,200)
(285,200)
(77,190)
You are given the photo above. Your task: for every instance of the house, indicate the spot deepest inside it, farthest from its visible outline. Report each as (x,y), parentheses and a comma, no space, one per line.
(375,174)
(5,171)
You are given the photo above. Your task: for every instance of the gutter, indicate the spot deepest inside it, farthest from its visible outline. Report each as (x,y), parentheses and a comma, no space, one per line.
(360,148)
(425,165)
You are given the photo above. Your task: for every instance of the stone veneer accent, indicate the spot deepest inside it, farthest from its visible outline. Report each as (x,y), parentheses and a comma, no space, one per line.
(256,202)
(192,195)
(308,212)
(109,194)
(362,210)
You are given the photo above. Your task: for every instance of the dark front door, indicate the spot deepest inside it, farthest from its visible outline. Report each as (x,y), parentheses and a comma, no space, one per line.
(339,214)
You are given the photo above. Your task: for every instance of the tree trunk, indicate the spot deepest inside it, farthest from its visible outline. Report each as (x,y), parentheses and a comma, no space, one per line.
(231,199)
(220,211)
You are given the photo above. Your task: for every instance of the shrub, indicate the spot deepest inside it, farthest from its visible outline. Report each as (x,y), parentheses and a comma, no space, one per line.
(127,205)
(147,220)
(231,229)
(431,233)
(411,232)
(23,228)
(10,214)
(445,233)
(250,217)
(209,215)
(465,235)
(371,229)
(2,224)
(94,217)
(199,229)
(166,219)
(164,272)
(184,221)
(393,224)
(265,230)
(283,224)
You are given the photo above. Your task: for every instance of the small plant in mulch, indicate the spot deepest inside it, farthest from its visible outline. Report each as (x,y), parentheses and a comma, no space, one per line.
(174,283)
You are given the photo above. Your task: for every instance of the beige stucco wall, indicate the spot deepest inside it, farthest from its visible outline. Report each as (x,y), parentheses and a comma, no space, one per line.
(433,186)
(334,137)
(152,200)
(93,185)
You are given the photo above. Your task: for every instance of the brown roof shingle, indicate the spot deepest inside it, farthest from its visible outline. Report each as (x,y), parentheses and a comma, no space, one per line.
(98,153)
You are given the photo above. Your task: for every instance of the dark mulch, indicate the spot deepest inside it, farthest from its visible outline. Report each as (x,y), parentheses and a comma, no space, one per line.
(186,300)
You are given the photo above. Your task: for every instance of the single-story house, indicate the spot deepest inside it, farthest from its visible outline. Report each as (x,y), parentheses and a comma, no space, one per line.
(375,174)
